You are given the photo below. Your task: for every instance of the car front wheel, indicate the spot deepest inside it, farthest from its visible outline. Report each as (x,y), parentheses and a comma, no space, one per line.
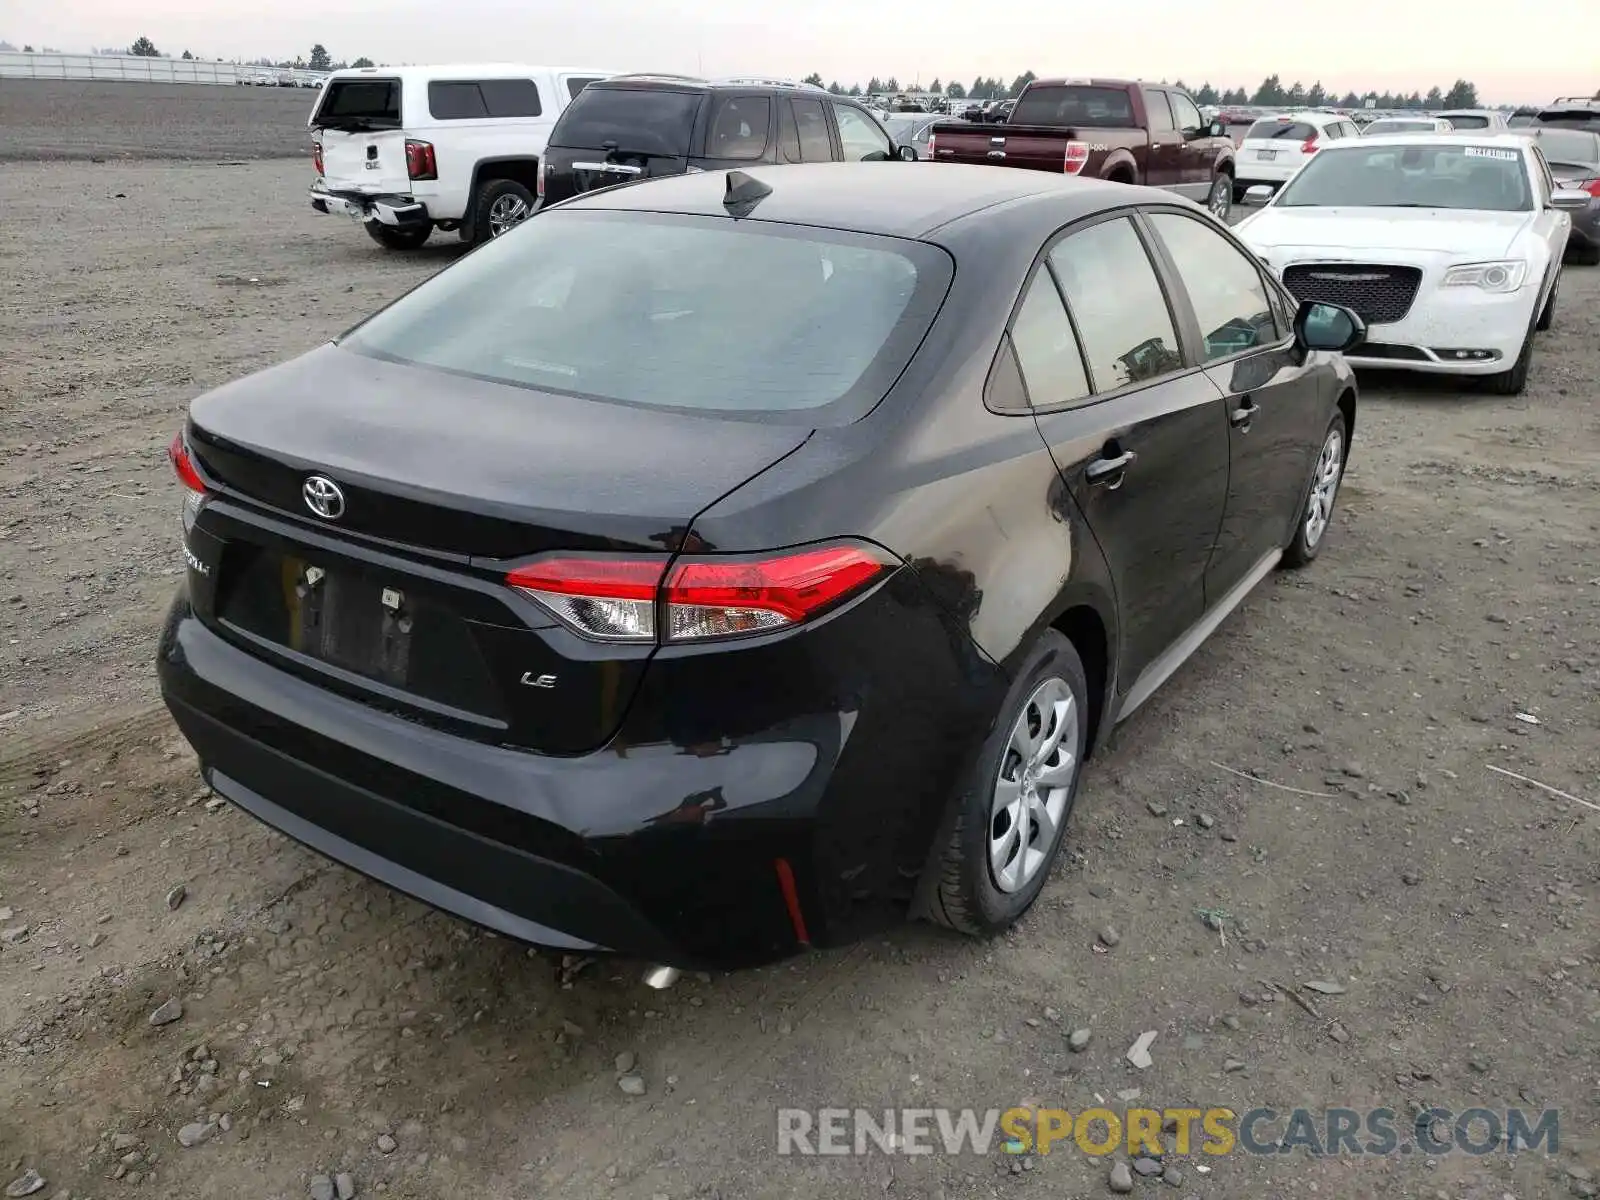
(1220,199)
(1008,820)
(1316,512)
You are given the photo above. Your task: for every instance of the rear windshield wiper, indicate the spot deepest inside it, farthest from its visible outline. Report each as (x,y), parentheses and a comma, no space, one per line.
(354,124)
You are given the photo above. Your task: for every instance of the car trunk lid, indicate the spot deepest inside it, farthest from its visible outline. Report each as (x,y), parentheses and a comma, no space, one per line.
(617,133)
(399,598)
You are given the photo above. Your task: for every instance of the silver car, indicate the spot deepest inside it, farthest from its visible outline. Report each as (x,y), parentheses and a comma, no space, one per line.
(911,129)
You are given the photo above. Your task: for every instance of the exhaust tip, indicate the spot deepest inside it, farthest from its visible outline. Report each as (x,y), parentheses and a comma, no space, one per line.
(661,978)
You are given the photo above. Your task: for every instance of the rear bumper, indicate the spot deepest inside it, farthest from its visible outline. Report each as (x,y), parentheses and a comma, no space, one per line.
(666,849)
(398,211)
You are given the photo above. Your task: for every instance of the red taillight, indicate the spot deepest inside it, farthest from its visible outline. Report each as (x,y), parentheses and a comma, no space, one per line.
(538,181)
(933,144)
(183,466)
(701,598)
(1077,155)
(1309,146)
(420,162)
(1592,186)
(316,157)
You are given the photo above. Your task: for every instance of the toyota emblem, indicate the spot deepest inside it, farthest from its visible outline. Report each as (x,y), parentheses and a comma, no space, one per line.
(323,497)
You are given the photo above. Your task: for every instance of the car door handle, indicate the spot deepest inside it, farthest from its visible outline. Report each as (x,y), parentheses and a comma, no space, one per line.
(1109,471)
(1239,417)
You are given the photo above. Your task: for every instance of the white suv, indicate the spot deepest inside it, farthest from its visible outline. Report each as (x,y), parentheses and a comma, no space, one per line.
(405,150)
(1274,148)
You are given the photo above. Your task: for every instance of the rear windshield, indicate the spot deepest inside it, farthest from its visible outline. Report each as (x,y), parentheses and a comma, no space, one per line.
(639,120)
(1402,127)
(1289,131)
(1569,146)
(359,104)
(1074,104)
(667,311)
(1571,118)
(1467,121)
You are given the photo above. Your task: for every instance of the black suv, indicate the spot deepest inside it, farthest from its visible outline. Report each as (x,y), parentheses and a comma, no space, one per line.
(645,126)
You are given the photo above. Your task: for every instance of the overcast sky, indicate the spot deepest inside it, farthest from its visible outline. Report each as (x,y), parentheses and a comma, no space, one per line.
(1513,51)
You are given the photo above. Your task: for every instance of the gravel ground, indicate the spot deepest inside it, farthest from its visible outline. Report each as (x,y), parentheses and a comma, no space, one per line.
(339,1028)
(79,119)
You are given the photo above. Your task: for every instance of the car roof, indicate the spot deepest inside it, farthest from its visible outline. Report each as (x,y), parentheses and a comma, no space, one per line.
(651,79)
(1468,112)
(888,199)
(466,71)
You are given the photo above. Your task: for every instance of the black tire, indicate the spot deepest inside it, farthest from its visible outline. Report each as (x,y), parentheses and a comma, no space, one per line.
(1309,538)
(1586,256)
(1549,313)
(393,237)
(485,218)
(1512,382)
(965,895)
(1220,199)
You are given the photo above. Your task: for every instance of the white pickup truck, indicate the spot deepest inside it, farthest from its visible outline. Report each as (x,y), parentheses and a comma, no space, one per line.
(407,150)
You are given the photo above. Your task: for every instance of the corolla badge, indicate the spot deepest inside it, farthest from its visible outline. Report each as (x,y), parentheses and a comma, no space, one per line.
(323,497)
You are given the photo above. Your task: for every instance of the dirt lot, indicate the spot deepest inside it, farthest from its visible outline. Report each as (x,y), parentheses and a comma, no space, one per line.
(78,119)
(347,1030)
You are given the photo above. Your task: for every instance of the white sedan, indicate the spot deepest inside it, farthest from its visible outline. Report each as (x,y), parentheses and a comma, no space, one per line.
(1449,247)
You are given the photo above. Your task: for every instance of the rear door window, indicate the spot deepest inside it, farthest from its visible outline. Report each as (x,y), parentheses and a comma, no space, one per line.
(739,126)
(815,144)
(639,120)
(1047,349)
(1158,110)
(356,103)
(1118,304)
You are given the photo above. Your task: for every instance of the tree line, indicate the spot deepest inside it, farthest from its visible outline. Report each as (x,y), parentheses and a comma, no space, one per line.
(1270,94)
(319,60)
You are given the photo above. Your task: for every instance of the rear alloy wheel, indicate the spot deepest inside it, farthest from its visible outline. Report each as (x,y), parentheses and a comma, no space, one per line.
(1220,198)
(1009,819)
(1316,514)
(503,204)
(394,237)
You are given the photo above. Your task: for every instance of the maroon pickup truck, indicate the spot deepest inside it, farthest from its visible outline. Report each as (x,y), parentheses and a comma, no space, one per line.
(1104,129)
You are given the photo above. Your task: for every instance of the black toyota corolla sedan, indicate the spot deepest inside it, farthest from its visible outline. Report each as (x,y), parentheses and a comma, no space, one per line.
(732,563)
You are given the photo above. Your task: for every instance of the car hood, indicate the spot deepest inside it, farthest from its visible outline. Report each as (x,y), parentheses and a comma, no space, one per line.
(1359,232)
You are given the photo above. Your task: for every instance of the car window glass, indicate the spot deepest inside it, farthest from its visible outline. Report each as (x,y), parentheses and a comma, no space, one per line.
(1224,286)
(815,145)
(860,135)
(455,101)
(1047,351)
(511,97)
(788,132)
(1184,112)
(1117,301)
(1158,111)
(739,128)
(576,84)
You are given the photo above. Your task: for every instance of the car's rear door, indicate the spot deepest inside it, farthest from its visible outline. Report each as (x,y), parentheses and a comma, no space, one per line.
(1164,167)
(1238,326)
(1140,436)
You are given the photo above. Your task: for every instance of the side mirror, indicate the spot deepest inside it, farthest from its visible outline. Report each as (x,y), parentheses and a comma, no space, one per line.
(907,153)
(1570,199)
(1215,129)
(1257,195)
(1320,326)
